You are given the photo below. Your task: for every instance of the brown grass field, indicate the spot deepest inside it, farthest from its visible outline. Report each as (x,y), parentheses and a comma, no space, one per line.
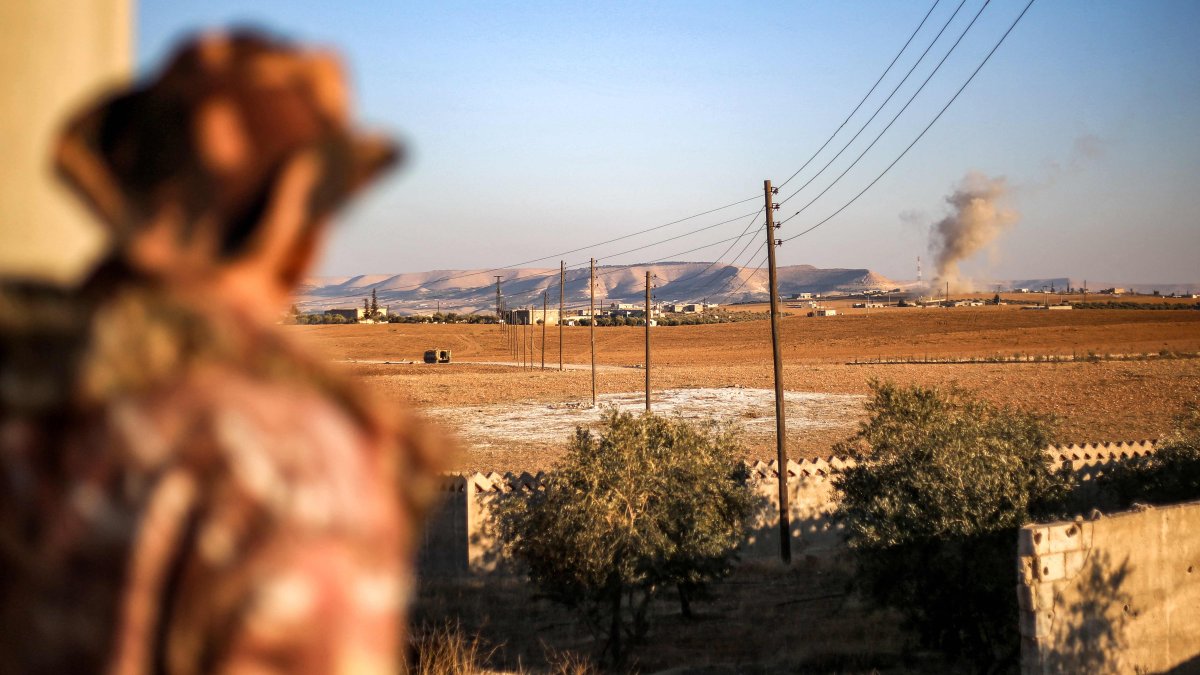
(1093,401)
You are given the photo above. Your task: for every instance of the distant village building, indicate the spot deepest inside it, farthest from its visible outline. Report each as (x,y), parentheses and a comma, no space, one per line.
(823,312)
(357,314)
(802,296)
(529,317)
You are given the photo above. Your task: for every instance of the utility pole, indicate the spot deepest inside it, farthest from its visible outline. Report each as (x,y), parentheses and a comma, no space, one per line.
(592,327)
(504,325)
(545,302)
(785,527)
(497,297)
(562,275)
(647,340)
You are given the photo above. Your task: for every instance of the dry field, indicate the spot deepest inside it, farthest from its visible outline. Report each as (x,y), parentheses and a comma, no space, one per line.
(1106,400)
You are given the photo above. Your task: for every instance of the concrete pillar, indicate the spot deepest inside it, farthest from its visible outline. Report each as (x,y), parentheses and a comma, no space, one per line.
(53,57)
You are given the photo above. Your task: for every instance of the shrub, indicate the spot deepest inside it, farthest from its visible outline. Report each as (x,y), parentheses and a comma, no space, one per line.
(646,505)
(932,511)
(1170,475)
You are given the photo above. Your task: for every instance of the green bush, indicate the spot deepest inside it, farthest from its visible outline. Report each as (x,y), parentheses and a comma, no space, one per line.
(932,511)
(645,506)
(1170,475)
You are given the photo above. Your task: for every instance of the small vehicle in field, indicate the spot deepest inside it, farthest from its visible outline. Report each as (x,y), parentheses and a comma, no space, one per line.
(437,356)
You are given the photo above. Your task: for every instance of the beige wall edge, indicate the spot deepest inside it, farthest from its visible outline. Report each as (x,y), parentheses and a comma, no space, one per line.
(54,56)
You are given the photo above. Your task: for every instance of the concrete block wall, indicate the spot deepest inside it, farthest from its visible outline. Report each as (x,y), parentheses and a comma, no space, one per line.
(458,538)
(814,530)
(1116,593)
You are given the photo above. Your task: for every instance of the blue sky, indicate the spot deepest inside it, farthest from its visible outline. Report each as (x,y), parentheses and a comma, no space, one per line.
(541,127)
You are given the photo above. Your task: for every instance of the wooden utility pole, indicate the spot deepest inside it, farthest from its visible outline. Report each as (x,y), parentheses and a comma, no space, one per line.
(785,527)
(647,340)
(592,327)
(497,298)
(545,303)
(562,275)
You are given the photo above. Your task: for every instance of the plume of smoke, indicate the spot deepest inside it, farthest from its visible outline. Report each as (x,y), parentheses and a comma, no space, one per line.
(979,216)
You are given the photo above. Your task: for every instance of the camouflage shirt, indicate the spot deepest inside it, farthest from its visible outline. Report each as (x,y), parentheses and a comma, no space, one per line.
(185,490)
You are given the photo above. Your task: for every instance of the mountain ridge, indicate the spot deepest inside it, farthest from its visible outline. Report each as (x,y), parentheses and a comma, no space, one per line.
(470,291)
(467,291)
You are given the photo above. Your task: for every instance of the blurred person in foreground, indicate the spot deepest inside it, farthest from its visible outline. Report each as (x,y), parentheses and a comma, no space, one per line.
(185,490)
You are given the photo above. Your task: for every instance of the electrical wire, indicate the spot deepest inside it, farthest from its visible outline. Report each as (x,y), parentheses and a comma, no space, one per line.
(582,248)
(893,120)
(887,100)
(758,269)
(864,98)
(923,131)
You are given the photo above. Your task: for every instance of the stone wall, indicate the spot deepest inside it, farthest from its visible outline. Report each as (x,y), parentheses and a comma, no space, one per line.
(814,530)
(458,539)
(1115,593)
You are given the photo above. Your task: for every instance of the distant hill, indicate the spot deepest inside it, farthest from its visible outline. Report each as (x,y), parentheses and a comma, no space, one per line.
(467,291)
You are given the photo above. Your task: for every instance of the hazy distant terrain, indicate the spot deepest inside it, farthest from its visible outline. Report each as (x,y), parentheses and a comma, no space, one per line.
(467,291)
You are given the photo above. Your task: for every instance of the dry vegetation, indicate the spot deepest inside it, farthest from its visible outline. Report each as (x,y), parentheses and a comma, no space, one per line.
(1108,400)
(765,618)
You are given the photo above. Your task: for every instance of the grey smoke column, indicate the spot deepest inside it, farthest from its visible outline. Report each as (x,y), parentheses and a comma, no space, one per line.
(978,218)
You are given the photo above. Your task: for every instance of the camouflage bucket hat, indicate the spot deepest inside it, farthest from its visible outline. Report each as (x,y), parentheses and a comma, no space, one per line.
(209,135)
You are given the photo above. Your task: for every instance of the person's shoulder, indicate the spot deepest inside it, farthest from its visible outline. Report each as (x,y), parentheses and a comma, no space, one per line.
(289,450)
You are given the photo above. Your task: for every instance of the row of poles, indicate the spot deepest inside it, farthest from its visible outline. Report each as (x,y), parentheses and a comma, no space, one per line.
(519,334)
(520,338)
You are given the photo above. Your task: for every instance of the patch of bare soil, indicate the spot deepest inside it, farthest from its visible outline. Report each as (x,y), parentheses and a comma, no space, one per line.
(516,426)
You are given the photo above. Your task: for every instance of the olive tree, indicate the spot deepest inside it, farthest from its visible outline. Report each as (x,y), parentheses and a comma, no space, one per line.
(642,506)
(932,511)
(1171,474)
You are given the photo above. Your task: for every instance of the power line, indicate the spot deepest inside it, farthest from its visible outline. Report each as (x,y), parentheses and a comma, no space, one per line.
(864,98)
(548,275)
(584,248)
(887,100)
(623,268)
(651,245)
(723,254)
(734,263)
(893,120)
(758,269)
(923,131)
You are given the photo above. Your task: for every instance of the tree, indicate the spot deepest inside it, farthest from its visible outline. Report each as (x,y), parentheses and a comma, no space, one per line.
(644,505)
(373,308)
(932,511)
(1170,475)
(996,299)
